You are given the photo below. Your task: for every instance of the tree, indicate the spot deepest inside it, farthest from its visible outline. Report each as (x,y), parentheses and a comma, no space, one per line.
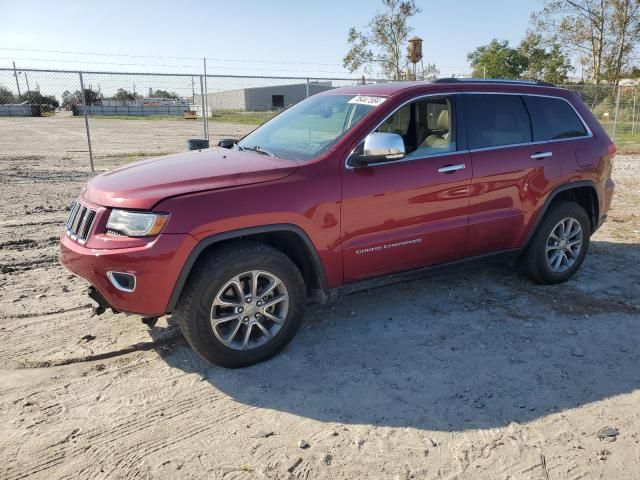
(164,94)
(423,72)
(605,32)
(429,72)
(6,96)
(548,63)
(69,99)
(35,97)
(91,97)
(633,72)
(530,60)
(497,60)
(625,22)
(383,40)
(124,95)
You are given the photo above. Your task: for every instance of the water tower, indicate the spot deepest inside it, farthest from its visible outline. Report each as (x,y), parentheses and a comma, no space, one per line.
(414,52)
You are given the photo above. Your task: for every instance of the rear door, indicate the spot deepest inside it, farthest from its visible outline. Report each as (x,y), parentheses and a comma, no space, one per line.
(509,170)
(520,149)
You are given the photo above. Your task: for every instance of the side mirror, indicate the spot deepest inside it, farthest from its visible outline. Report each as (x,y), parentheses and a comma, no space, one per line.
(379,147)
(227,142)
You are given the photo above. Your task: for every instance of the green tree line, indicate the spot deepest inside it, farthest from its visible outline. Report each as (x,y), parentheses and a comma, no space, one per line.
(601,36)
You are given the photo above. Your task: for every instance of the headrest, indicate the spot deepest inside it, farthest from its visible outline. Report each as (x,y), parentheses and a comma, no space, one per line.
(443,120)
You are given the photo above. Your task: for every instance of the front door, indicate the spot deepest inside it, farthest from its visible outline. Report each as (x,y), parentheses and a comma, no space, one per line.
(409,213)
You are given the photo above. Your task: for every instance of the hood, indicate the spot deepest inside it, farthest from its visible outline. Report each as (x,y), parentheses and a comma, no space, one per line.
(140,185)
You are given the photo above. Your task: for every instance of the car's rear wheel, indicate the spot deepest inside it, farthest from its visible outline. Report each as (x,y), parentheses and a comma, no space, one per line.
(242,304)
(560,244)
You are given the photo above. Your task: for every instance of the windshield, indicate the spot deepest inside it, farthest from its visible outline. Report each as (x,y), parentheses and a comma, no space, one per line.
(310,127)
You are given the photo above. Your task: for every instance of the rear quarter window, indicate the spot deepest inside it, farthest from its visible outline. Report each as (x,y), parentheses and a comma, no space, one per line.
(553,119)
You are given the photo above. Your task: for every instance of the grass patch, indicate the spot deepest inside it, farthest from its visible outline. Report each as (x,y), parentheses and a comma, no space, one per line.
(140,117)
(227,116)
(242,117)
(626,141)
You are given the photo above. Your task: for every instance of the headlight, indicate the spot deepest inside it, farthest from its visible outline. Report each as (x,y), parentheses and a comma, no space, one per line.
(136,224)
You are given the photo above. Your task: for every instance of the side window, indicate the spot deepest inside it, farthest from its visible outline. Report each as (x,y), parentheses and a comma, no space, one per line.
(398,122)
(497,120)
(553,119)
(435,130)
(424,125)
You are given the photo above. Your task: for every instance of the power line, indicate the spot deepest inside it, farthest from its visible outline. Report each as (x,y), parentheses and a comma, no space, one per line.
(70,52)
(97,63)
(170,66)
(98,53)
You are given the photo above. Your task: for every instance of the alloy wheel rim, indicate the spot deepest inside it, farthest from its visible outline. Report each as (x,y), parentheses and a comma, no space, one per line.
(564,245)
(249,310)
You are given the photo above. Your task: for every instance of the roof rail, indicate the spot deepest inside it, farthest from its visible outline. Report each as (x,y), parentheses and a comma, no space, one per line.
(493,80)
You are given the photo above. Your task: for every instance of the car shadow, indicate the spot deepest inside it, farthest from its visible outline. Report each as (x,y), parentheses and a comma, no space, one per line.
(475,349)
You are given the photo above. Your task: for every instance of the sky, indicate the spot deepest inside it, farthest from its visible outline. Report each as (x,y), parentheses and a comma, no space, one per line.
(275,37)
(313,32)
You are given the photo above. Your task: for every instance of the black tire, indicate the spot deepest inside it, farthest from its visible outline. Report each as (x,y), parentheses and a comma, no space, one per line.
(193,311)
(535,262)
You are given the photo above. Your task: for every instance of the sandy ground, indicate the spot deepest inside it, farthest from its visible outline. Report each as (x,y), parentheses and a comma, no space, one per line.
(478,374)
(65,136)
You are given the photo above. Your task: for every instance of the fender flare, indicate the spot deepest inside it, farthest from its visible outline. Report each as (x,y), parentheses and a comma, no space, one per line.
(554,193)
(203,244)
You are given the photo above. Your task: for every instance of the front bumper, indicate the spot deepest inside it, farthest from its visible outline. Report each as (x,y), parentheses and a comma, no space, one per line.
(156,266)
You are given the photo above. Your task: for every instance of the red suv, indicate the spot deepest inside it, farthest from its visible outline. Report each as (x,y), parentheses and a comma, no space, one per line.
(346,190)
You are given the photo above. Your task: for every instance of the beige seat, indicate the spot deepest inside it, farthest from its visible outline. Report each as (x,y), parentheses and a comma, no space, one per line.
(398,123)
(436,140)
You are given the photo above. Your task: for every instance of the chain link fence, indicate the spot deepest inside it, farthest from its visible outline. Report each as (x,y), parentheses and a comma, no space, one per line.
(107,115)
(618,110)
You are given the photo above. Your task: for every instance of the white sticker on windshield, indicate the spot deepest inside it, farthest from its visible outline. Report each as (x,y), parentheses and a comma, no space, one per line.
(367,100)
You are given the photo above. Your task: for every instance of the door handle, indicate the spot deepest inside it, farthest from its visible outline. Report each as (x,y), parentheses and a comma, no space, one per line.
(452,168)
(539,155)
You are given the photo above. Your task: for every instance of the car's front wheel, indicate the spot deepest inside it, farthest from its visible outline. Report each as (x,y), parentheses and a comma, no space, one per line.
(560,244)
(242,304)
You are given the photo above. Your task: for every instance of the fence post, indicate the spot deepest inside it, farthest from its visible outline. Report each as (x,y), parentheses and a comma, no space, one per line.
(615,120)
(206,105)
(633,116)
(204,114)
(86,120)
(307,88)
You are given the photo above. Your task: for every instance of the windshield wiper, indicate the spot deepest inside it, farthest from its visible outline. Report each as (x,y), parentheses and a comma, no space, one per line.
(258,149)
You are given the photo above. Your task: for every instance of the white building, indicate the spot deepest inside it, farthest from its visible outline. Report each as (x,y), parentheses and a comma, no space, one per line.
(273,97)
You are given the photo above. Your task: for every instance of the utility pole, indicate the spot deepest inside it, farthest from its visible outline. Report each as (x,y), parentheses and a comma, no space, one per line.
(86,119)
(27,80)
(15,74)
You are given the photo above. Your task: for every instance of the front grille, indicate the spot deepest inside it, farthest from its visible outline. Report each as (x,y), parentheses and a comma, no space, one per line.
(79,222)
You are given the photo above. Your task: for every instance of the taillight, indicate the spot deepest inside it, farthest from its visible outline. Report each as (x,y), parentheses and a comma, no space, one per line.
(611,150)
